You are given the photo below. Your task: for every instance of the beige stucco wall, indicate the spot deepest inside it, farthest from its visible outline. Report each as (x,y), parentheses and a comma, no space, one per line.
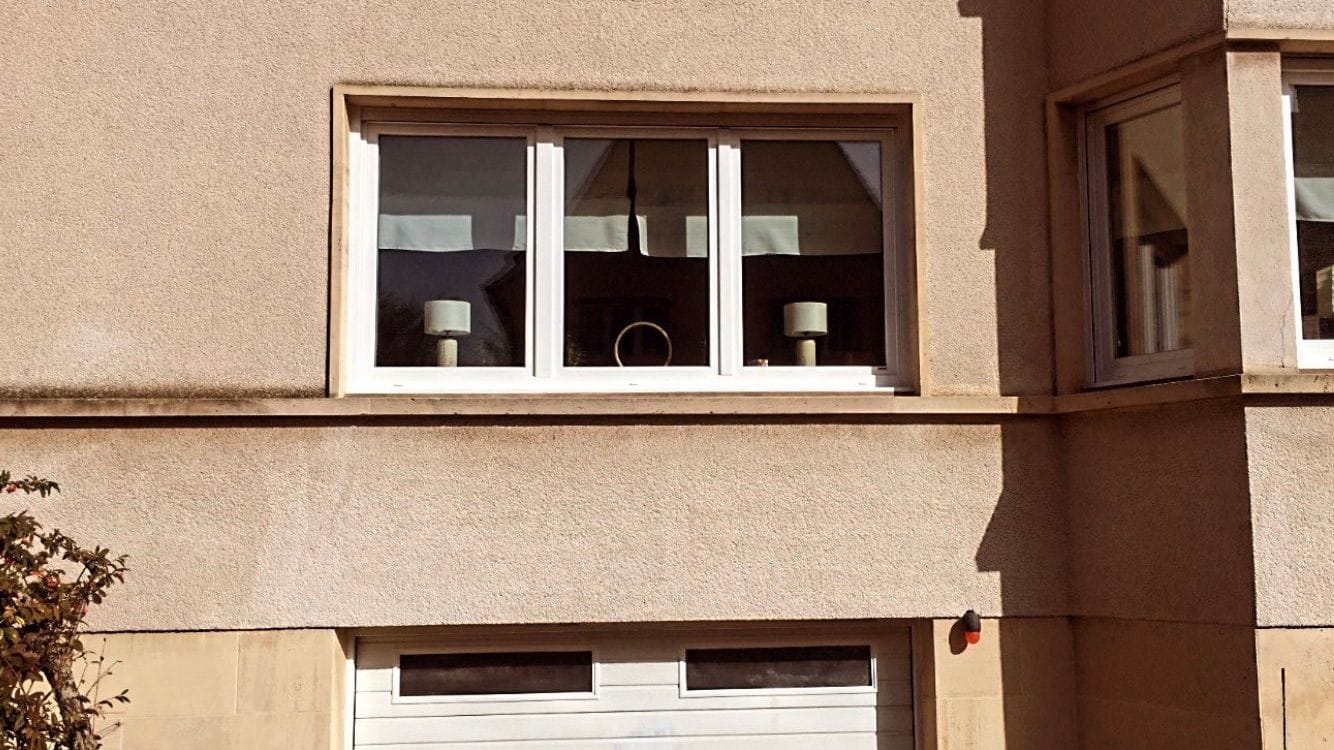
(1279,14)
(1014,689)
(169,189)
(1091,37)
(1291,450)
(1268,325)
(378,524)
(1296,680)
(1146,685)
(256,690)
(1159,513)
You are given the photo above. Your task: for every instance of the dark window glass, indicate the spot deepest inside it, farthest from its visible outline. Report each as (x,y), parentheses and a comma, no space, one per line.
(812,236)
(636,289)
(496,673)
(452,239)
(1313,165)
(1146,223)
(786,667)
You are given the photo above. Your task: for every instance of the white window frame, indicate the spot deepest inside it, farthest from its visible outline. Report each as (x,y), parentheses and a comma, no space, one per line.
(397,696)
(1312,354)
(363,263)
(1104,367)
(544,369)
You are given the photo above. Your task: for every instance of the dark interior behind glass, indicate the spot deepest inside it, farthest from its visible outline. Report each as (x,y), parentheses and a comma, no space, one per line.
(505,673)
(779,667)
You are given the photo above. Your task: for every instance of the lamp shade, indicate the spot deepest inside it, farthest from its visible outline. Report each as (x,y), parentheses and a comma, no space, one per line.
(448,317)
(805,319)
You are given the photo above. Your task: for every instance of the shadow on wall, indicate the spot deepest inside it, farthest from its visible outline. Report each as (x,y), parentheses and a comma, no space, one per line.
(1014,86)
(1036,705)
(1026,543)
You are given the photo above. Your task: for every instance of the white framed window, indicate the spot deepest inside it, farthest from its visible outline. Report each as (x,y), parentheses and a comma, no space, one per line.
(1137,238)
(1308,108)
(504,259)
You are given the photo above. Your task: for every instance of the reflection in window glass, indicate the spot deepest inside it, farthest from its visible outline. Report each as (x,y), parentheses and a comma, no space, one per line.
(1146,222)
(812,236)
(781,667)
(452,229)
(507,673)
(1313,167)
(646,281)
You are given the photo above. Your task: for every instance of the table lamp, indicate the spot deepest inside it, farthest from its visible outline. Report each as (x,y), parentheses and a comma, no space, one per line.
(804,321)
(448,319)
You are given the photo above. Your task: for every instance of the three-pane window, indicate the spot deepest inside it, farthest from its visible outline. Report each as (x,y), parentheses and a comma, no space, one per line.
(527,258)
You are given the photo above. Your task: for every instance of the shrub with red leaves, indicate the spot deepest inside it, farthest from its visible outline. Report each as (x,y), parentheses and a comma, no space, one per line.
(47,584)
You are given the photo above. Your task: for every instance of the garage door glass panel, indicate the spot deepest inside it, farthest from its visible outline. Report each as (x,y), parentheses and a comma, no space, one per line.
(505,673)
(785,667)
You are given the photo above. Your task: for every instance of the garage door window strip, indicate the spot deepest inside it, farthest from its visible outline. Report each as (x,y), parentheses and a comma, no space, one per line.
(495,675)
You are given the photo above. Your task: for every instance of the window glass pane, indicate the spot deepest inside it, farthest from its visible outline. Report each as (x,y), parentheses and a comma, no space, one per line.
(452,240)
(1313,164)
(1146,222)
(645,281)
(496,673)
(812,236)
(788,667)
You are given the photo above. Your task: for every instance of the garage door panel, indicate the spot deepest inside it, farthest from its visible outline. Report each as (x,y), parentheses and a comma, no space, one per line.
(370,680)
(639,700)
(847,741)
(616,725)
(380,704)
(662,671)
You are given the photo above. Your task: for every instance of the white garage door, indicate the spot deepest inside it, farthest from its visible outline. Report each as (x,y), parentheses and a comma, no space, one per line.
(673,689)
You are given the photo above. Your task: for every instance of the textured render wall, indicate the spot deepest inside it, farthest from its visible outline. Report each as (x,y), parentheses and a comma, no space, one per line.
(1159,514)
(1161,581)
(167,198)
(1292,504)
(1259,186)
(1296,671)
(1280,14)
(1015,689)
(270,690)
(1144,685)
(250,527)
(1089,37)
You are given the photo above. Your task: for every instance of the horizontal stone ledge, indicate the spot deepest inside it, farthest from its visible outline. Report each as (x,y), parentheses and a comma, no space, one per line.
(524,405)
(579,405)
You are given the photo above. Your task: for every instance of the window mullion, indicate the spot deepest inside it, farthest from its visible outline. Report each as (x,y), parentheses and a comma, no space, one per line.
(548,240)
(729,317)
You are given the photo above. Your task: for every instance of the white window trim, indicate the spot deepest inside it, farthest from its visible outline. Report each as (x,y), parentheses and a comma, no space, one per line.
(1104,367)
(781,642)
(363,261)
(544,370)
(397,696)
(1312,354)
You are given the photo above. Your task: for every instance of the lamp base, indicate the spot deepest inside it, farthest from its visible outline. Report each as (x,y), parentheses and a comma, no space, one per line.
(447,352)
(806,352)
